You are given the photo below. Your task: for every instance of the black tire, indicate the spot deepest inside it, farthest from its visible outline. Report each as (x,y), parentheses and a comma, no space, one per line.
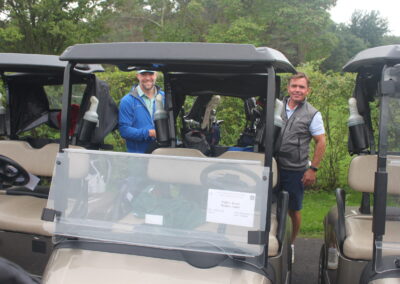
(321,266)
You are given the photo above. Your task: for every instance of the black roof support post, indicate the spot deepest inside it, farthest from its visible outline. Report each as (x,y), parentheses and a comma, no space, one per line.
(381,176)
(66,103)
(269,142)
(170,109)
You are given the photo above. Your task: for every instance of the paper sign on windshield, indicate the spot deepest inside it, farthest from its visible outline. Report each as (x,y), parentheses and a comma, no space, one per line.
(231,207)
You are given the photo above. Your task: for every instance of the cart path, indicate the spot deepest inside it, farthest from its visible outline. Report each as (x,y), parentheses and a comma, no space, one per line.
(305,267)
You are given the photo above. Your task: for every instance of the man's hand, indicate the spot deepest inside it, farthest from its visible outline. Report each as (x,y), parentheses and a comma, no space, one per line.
(152,133)
(309,177)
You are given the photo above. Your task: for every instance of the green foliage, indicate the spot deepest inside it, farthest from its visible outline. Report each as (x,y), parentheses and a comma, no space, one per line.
(300,29)
(348,45)
(369,26)
(315,207)
(330,93)
(231,112)
(49,26)
(387,40)
(367,29)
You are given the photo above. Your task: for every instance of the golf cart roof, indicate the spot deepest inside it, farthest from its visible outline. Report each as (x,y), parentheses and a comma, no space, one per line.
(20,62)
(374,57)
(180,56)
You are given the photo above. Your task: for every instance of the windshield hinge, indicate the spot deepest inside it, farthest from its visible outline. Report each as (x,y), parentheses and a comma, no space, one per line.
(256,237)
(50,214)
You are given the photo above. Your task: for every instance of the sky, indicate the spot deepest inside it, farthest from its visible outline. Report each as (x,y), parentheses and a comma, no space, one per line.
(389,9)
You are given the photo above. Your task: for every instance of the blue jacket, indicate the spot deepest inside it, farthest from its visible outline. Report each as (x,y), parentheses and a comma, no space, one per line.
(135,121)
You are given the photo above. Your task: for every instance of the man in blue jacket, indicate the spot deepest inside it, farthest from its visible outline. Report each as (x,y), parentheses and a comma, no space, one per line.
(136,112)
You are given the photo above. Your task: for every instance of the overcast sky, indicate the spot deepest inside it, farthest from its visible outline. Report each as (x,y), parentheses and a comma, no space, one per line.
(389,9)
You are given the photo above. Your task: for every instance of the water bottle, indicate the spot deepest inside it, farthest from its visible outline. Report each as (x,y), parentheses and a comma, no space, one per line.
(3,130)
(161,122)
(90,121)
(356,124)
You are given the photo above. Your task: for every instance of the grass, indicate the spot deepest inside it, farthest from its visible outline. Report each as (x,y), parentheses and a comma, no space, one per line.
(316,205)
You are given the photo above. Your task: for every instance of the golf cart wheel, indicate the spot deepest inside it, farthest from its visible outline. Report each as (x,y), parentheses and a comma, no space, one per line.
(321,266)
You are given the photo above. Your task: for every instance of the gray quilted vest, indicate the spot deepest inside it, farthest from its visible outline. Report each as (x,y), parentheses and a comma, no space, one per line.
(293,145)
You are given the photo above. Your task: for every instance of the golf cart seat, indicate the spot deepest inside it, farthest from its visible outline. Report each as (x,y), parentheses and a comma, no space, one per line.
(273,247)
(38,162)
(22,212)
(358,236)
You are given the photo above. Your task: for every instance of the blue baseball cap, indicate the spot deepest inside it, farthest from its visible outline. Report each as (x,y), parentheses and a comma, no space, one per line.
(146,71)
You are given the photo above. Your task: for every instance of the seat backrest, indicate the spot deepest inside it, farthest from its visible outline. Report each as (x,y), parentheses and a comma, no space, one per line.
(39,162)
(242,155)
(182,171)
(362,173)
(181,152)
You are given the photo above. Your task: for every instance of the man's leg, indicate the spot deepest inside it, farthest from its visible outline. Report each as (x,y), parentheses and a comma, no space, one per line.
(295,216)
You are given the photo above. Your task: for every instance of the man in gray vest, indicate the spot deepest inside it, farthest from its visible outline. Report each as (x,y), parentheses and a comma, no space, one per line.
(302,123)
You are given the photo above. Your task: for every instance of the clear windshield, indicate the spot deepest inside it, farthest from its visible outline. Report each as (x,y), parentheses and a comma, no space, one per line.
(389,247)
(200,204)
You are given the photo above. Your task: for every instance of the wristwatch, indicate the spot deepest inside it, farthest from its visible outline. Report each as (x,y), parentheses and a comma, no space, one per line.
(313,168)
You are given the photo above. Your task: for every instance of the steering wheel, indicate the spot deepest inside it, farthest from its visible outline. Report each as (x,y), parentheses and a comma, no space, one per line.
(12,173)
(231,176)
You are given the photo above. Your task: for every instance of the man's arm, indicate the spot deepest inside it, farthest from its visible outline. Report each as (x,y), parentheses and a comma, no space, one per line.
(319,150)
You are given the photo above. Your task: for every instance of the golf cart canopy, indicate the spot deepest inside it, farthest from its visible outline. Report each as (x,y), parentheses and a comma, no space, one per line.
(180,57)
(39,63)
(374,58)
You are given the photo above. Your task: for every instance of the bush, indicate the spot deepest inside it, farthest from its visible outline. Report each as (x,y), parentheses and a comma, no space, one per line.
(330,94)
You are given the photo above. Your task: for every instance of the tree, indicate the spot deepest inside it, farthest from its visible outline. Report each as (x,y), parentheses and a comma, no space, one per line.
(369,26)
(391,40)
(348,45)
(49,26)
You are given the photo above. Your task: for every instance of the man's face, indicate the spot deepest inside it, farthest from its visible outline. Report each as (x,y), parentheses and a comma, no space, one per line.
(147,80)
(298,89)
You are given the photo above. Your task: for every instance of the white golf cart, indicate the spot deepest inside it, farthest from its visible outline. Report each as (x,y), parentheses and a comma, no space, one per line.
(363,245)
(34,85)
(175,215)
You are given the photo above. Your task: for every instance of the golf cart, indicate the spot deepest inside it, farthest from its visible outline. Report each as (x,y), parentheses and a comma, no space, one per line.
(175,215)
(30,116)
(363,245)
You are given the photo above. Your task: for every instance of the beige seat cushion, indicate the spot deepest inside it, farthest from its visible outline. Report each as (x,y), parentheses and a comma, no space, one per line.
(39,162)
(36,161)
(362,173)
(20,213)
(23,214)
(359,237)
(180,152)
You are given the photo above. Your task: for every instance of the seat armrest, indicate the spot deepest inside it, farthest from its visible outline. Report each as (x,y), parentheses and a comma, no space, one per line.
(281,215)
(341,206)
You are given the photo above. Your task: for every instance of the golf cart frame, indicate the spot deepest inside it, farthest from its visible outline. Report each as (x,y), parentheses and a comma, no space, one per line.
(179,62)
(361,247)
(24,238)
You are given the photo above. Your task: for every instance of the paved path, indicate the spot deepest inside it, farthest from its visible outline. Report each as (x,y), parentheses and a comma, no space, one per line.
(305,267)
